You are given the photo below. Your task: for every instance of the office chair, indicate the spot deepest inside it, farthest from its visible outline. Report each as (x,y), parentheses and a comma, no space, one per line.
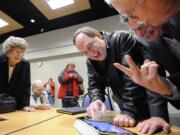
(86,102)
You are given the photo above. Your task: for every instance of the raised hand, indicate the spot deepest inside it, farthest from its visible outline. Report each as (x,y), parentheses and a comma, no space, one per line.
(70,75)
(146,75)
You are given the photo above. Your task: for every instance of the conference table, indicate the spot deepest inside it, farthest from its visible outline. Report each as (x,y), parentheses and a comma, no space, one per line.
(46,122)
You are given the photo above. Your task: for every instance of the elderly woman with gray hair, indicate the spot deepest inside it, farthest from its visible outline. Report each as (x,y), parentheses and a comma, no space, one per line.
(15,72)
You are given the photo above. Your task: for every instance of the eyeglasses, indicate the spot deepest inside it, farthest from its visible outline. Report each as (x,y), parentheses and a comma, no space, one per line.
(128,15)
(89,47)
(125,18)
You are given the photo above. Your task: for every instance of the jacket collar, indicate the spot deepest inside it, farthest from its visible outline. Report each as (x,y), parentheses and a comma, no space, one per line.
(106,37)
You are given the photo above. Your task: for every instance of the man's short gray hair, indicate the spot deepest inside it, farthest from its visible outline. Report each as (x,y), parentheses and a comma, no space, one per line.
(36,82)
(12,42)
(89,31)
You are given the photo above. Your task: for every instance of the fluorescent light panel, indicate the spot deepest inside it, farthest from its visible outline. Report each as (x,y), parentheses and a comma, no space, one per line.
(55,4)
(3,23)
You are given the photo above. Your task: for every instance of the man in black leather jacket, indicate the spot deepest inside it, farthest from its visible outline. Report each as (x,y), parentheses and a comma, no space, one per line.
(170,58)
(103,49)
(166,52)
(158,23)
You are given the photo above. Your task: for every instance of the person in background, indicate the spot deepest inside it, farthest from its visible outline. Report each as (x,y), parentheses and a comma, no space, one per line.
(103,49)
(39,97)
(15,72)
(50,89)
(69,88)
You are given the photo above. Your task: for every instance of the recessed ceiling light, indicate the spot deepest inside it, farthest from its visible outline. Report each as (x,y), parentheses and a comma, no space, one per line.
(55,4)
(32,21)
(3,23)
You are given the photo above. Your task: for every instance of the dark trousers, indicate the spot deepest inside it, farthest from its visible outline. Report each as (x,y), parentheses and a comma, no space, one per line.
(70,102)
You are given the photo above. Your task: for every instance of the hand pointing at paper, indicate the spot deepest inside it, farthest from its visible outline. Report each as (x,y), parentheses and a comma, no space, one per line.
(146,75)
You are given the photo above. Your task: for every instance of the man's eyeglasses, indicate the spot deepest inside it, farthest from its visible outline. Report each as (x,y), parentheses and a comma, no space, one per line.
(89,47)
(125,18)
(129,15)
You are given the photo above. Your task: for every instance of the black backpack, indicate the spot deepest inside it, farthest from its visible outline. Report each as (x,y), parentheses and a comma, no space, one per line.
(7,103)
